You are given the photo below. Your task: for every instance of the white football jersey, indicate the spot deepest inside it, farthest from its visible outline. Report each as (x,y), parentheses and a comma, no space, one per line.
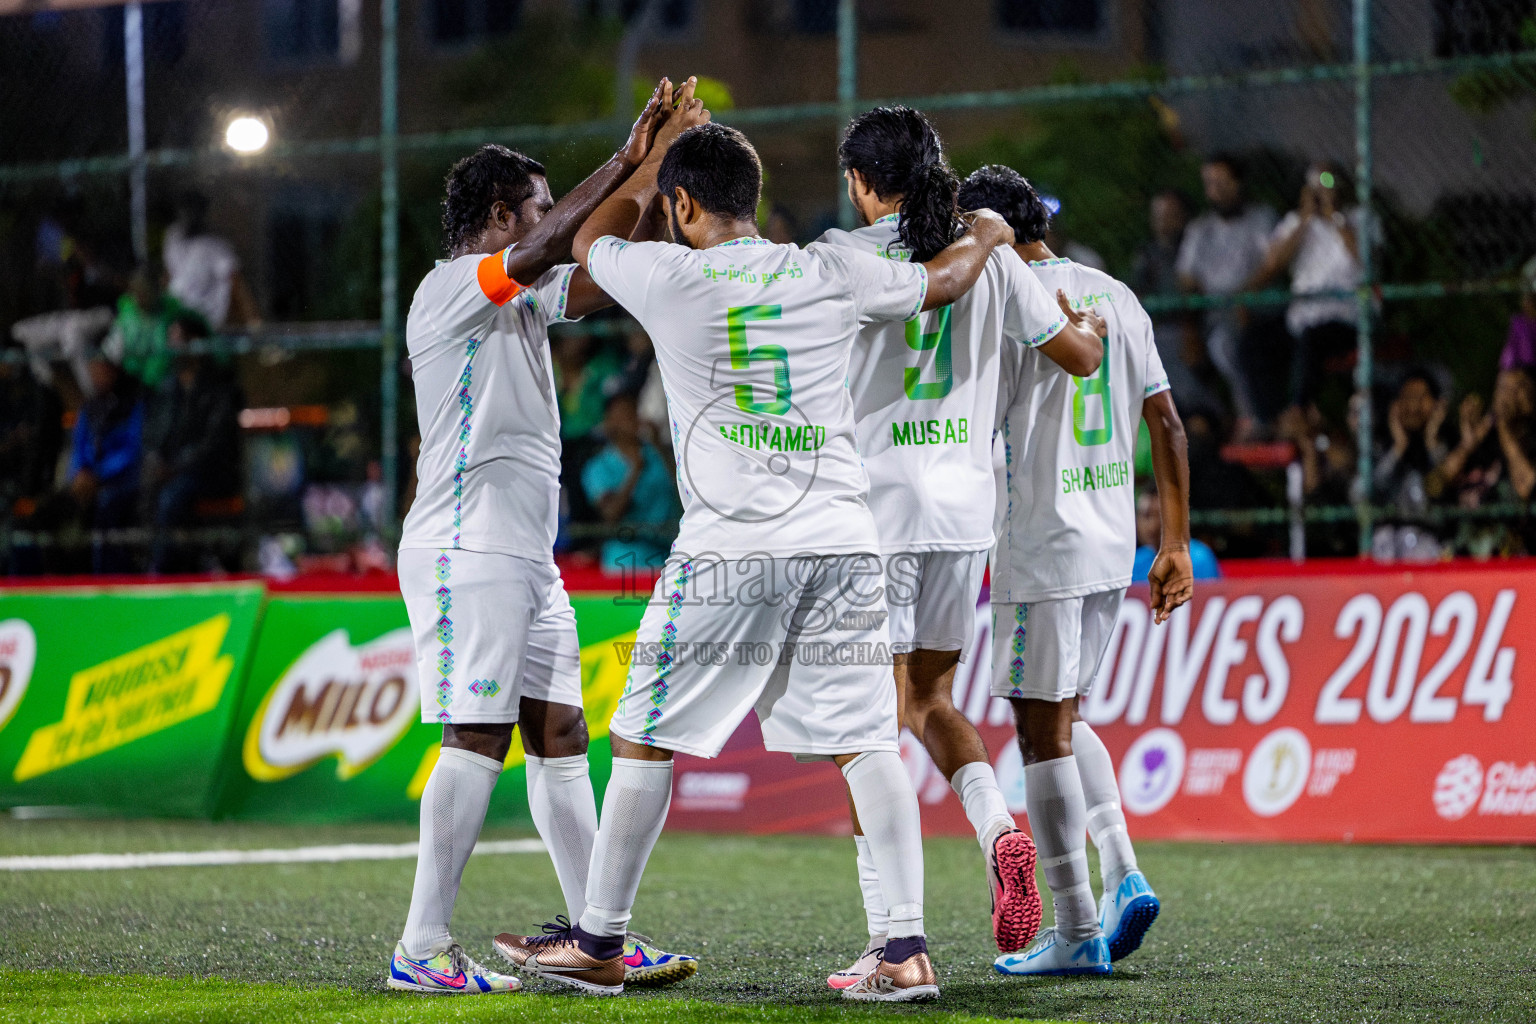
(753,341)
(1068,516)
(925,394)
(488,476)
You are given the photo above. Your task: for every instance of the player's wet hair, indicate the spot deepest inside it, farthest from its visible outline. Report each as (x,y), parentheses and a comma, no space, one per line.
(1009,194)
(477,182)
(898,152)
(718,167)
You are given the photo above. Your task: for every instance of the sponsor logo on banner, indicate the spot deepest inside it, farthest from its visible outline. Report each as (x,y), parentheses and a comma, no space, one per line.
(133,695)
(1458,786)
(353,702)
(1277,772)
(18,653)
(1152,770)
(713,791)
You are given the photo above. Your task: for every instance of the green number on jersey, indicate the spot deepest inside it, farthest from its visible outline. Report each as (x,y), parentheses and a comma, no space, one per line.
(1084,388)
(921,342)
(742,357)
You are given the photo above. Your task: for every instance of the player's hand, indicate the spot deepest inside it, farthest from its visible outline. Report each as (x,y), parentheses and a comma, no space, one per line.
(1087,318)
(643,133)
(988,227)
(687,111)
(1172,577)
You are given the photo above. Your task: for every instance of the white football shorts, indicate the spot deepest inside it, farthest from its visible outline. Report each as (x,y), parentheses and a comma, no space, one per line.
(802,641)
(1050,650)
(489,630)
(932,597)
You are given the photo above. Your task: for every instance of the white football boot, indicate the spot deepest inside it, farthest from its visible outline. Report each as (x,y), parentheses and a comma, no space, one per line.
(1052,955)
(1126,914)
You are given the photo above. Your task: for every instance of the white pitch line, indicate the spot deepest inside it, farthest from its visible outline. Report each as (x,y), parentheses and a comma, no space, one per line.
(214,858)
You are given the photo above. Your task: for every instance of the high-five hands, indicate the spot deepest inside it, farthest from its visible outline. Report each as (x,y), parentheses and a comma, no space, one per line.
(642,135)
(683,111)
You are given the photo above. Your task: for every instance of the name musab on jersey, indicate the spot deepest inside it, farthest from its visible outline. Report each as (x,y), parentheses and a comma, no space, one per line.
(945,431)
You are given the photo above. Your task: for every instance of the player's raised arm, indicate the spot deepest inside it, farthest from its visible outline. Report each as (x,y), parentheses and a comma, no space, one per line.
(1172,576)
(549,241)
(952,272)
(627,206)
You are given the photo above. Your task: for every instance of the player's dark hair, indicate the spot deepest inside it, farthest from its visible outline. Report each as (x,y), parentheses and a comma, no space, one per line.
(898,152)
(1235,165)
(718,167)
(477,182)
(1007,193)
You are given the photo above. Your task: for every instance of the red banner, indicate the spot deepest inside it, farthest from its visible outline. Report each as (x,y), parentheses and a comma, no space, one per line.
(1329,708)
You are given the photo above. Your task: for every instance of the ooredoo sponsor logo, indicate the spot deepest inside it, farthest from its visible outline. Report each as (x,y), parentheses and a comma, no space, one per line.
(1151,771)
(18,653)
(1458,786)
(1277,772)
(353,702)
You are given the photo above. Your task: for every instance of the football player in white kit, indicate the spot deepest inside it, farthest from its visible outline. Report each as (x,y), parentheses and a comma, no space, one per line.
(924,397)
(494,633)
(1060,570)
(775,553)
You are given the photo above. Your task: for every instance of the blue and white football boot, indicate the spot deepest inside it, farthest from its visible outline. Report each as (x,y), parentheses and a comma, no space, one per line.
(1053,955)
(648,966)
(450,972)
(1126,914)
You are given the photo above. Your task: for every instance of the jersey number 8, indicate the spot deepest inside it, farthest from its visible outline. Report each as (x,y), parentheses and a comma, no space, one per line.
(1084,388)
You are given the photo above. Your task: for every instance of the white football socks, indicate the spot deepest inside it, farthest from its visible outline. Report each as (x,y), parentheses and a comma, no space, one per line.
(887,807)
(1106,819)
(453,807)
(976,786)
(869,885)
(1058,819)
(565,813)
(634,809)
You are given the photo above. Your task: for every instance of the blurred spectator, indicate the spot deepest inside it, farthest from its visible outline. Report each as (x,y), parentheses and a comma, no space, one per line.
(1414,422)
(1221,251)
(1155,273)
(103,476)
(1327,453)
(1149,533)
(1319,243)
(1403,469)
(203,269)
(30,435)
(70,335)
(1520,347)
(631,485)
(139,335)
(582,379)
(191,439)
(1494,457)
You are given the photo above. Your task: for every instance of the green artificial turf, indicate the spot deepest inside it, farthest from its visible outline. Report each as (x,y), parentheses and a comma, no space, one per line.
(1248,933)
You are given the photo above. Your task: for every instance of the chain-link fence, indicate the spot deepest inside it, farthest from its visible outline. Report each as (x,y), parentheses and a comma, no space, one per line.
(1175,135)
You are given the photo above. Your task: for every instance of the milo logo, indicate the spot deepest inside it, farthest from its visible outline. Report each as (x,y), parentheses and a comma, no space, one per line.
(352,702)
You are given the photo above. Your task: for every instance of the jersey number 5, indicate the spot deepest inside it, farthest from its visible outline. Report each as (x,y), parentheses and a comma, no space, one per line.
(742,358)
(1084,388)
(919,341)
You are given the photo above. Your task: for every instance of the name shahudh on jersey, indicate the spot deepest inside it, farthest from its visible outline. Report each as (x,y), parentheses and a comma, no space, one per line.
(1095,478)
(765,437)
(955,431)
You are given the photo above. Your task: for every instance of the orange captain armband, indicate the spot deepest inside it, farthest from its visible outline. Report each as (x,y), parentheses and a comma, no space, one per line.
(494,282)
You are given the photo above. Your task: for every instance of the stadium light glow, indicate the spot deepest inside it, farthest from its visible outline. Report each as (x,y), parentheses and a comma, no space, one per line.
(246,134)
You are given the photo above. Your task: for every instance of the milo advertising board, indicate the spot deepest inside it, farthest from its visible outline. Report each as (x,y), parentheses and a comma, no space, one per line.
(121,699)
(330,724)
